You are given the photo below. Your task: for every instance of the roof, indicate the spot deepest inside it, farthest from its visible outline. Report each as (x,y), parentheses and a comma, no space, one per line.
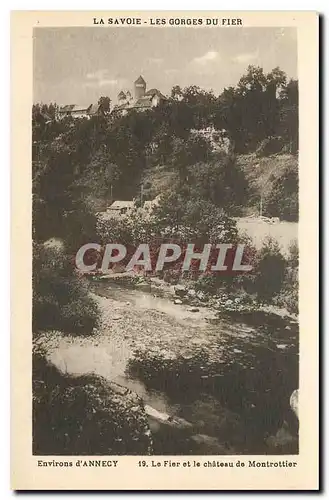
(74,107)
(119,204)
(153,92)
(140,80)
(121,106)
(95,108)
(143,102)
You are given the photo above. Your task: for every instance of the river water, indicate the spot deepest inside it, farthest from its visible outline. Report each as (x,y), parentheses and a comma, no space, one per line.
(236,412)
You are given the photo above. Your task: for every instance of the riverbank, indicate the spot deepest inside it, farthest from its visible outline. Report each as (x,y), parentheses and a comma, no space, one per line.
(229,380)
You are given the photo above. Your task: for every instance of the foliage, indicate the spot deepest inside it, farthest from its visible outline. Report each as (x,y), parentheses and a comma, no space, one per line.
(269,146)
(267,277)
(289,294)
(60,299)
(105,104)
(283,199)
(83,416)
(221,182)
(173,372)
(253,110)
(193,219)
(68,154)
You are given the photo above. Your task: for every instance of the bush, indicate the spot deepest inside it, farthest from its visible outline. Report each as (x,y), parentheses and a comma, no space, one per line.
(289,295)
(269,146)
(84,416)
(60,298)
(173,372)
(268,274)
(283,199)
(207,283)
(193,220)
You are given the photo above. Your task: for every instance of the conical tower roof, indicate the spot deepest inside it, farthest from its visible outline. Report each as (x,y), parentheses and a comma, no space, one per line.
(140,80)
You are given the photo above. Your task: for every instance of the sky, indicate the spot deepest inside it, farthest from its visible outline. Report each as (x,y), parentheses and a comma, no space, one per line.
(78,65)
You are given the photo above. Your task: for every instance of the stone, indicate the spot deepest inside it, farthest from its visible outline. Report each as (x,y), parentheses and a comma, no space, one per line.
(281,346)
(191,293)
(201,296)
(193,309)
(180,290)
(283,440)
(294,402)
(116,318)
(178,301)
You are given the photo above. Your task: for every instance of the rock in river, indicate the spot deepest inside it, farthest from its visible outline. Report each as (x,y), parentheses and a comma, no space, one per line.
(180,290)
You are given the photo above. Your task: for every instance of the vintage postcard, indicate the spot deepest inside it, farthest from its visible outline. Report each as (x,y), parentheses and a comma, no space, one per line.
(165,208)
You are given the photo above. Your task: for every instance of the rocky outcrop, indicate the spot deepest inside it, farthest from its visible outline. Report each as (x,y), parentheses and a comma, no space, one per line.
(294,402)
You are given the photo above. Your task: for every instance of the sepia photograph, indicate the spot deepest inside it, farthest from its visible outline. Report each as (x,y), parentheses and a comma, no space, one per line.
(165,188)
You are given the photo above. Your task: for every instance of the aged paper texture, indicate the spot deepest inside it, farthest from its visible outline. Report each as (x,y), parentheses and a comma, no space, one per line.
(165,208)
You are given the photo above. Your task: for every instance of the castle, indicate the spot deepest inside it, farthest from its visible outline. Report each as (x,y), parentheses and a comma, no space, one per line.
(141,99)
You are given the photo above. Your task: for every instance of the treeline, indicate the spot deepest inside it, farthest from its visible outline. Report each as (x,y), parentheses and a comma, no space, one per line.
(80,165)
(260,107)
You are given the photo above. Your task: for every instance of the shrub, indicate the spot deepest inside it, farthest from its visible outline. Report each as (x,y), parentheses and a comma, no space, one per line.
(283,199)
(269,146)
(289,295)
(84,416)
(207,283)
(173,372)
(60,298)
(268,275)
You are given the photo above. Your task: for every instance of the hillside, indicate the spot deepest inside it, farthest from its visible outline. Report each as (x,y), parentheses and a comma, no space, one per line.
(158,180)
(262,173)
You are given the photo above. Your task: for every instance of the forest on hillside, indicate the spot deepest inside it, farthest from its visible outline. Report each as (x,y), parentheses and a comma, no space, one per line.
(79,165)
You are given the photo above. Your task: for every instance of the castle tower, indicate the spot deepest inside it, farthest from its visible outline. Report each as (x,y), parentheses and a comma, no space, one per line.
(139,87)
(121,97)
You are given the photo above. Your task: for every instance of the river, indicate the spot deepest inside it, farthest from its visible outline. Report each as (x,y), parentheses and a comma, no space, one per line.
(237,412)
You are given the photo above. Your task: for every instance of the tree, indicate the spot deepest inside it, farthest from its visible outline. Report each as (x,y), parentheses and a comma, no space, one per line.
(283,198)
(105,104)
(289,114)
(193,219)
(189,152)
(252,111)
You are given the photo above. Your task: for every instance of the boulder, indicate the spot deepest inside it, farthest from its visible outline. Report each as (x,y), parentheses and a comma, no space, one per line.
(294,402)
(180,290)
(283,441)
(201,296)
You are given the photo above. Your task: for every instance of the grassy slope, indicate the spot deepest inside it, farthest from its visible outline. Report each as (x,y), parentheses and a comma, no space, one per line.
(157,180)
(263,172)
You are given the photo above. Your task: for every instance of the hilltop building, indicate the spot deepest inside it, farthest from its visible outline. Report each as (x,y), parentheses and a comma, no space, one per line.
(79,111)
(141,99)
